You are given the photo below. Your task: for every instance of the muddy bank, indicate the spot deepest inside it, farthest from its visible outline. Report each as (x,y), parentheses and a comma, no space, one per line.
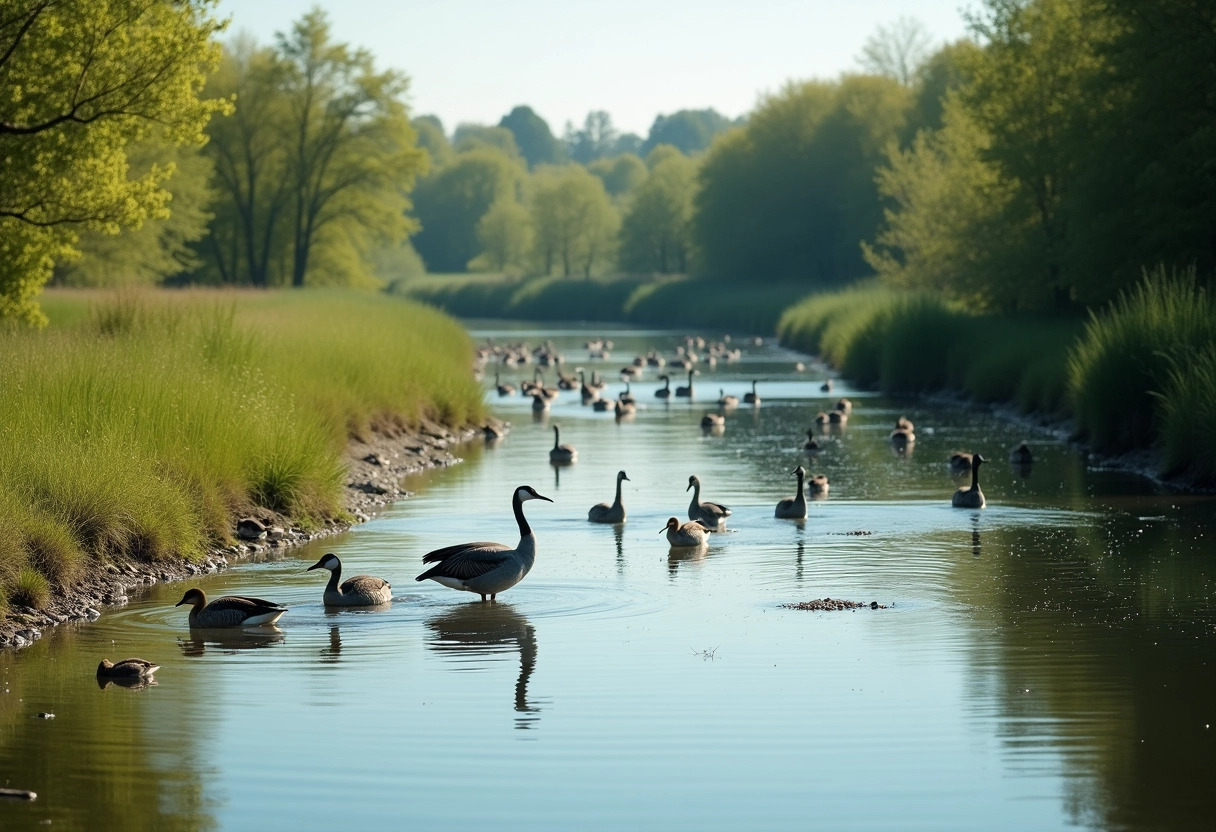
(374,472)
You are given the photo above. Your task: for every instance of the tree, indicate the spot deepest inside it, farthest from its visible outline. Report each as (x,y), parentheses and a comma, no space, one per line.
(505,234)
(656,230)
(597,138)
(82,82)
(689,131)
(532,135)
(474,136)
(897,51)
(620,174)
(433,140)
(574,221)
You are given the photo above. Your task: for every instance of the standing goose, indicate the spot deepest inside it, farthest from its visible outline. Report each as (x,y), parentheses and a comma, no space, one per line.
(561,454)
(711,515)
(794,508)
(752,397)
(126,669)
(503,389)
(665,391)
(359,591)
(725,401)
(487,568)
(615,513)
(686,534)
(229,611)
(971,497)
(686,392)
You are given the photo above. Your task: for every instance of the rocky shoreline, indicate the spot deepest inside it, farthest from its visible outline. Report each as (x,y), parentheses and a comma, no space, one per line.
(374,472)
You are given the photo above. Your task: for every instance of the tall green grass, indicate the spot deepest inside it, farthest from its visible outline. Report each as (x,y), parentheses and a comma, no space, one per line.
(146,426)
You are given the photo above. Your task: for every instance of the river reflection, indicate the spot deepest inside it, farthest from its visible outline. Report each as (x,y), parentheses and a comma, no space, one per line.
(229,639)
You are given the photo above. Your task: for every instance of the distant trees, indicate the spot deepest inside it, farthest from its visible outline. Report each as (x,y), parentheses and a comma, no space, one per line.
(573,220)
(689,131)
(67,125)
(656,233)
(897,50)
(451,201)
(533,137)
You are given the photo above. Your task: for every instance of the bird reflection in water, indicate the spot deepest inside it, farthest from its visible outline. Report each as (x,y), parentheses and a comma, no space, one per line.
(684,554)
(1022,469)
(975,536)
(618,531)
(333,652)
(798,552)
(557,475)
(128,682)
(486,630)
(229,639)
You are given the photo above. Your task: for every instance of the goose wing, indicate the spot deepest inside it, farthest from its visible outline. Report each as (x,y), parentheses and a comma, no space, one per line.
(365,583)
(244,604)
(465,561)
(716,508)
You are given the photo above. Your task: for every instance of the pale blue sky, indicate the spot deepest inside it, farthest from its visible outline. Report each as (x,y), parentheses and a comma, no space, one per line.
(473,60)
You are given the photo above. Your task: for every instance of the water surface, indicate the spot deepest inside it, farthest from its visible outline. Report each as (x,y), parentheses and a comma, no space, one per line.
(1045,663)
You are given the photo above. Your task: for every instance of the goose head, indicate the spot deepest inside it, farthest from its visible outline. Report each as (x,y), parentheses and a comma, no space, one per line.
(194,597)
(672,525)
(620,475)
(527,492)
(693,481)
(328,561)
(799,471)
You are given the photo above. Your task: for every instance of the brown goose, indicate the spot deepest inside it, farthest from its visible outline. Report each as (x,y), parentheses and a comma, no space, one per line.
(359,591)
(126,669)
(688,534)
(229,611)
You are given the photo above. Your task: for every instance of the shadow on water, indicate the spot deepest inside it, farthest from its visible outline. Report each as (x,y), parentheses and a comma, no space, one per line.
(486,629)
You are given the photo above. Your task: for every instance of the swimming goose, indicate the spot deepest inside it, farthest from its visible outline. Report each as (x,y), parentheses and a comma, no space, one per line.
(725,400)
(971,497)
(711,421)
(615,513)
(712,515)
(624,408)
(819,486)
(686,392)
(665,391)
(826,387)
(794,508)
(627,397)
(561,454)
(493,433)
(810,444)
(752,397)
(487,568)
(1021,455)
(903,435)
(960,462)
(687,534)
(503,389)
(126,669)
(229,611)
(838,418)
(653,359)
(602,405)
(539,402)
(844,406)
(904,423)
(821,419)
(586,391)
(359,591)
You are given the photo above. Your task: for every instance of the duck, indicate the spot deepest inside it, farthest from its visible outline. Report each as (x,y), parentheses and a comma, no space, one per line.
(561,454)
(664,392)
(487,568)
(826,387)
(711,515)
(229,611)
(713,420)
(844,406)
(615,513)
(126,669)
(686,392)
(503,389)
(680,535)
(794,508)
(359,591)
(960,462)
(971,496)
(811,443)
(819,486)
(1021,455)
(753,397)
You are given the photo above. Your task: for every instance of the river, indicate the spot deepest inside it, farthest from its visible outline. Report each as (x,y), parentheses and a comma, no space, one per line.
(1045,663)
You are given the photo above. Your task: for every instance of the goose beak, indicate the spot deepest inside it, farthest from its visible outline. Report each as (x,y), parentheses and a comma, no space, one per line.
(689,487)
(179,603)
(546,499)
(314,566)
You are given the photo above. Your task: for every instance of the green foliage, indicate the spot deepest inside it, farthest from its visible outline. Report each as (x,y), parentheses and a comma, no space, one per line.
(533,137)
(242,399)
(433,140)
(66,123)
(1128,356)
(478,136)
(597,139)
(621,175)
(656,233)
(1187,405)
(505,235)
(689,131)
(897,51)
(573,220)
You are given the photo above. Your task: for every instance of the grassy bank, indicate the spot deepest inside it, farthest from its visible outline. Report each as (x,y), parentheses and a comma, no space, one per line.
(1139,374)
(664,301)
(142,425)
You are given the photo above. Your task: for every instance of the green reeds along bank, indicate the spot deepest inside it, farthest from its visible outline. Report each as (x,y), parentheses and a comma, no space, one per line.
(141,425)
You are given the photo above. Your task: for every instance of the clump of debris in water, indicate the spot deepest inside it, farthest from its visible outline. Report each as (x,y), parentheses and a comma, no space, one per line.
(834,605)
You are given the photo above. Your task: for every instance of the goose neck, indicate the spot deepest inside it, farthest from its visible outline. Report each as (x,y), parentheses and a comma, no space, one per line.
(975,474)
(618,492)
(335,575)
(517,505)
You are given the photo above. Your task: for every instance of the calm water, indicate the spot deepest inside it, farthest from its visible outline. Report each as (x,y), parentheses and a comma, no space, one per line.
(1046,663)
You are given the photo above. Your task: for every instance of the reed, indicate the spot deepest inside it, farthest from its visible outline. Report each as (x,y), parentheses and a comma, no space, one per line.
(144,428)
(1187,422)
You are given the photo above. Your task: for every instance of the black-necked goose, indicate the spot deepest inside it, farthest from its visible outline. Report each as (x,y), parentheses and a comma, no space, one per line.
(819,486)
(487,568)
(229,611)
(359,591)
(971,496)
(686,392)
(725,401)
(664,392)
(712,515)
(753,397)
(605,513)
(794,508)
(503,389)
(561,454)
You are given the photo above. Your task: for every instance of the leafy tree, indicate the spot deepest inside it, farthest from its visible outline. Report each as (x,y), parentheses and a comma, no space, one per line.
(689,131)
(656,230)
(944,72)
(432,139)
(897,51)
(533,137)
(597,138)
(573,220)
(505,234)
(451,201)
(81,82)
(620,174)
(474,136)
(627,143)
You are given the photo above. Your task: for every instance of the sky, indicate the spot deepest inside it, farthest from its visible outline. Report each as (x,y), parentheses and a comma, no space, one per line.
(474,60)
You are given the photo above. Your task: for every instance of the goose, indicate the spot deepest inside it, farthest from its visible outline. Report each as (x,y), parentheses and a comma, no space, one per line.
(586,391)
(229,611)
(615,513)
(561,454)
(819,485)
(1021,455)
(487,568)
(539,402)
(631,371)
(904,423)
(654,359)
(711,515)
(960,462)
(623,408)
(493,433)
(811,444)
(903,435)
(713,420)
(844,406)
(596,382)
(821,419)
(971,497)
(503,389)
(826,387)
(602,405)
(126,669)
(627,396)
(665,391)
(837,417)
(725,400)
(685,535)
(752,397)
(686,392)
(565,382)
(359,591)
(794,508)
